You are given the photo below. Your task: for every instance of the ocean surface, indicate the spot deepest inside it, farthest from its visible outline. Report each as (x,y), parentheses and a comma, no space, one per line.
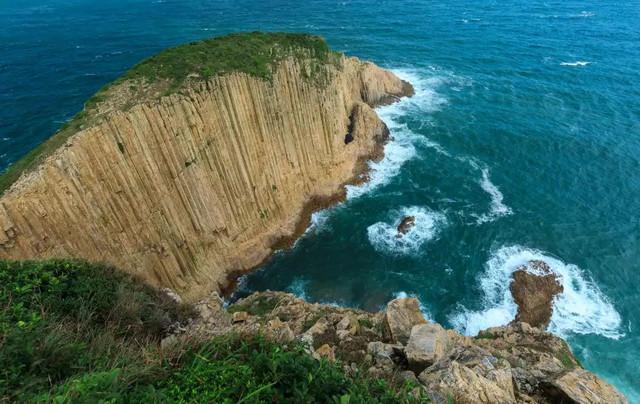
(522,142)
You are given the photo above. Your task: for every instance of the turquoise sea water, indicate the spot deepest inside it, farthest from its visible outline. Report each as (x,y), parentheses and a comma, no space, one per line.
(523,141)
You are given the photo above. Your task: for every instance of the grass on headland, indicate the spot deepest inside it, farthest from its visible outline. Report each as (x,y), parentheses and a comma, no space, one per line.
(75,332)
(254,53)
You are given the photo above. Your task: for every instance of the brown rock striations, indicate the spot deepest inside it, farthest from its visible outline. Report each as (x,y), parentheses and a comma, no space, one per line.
(534,293)
(194,187)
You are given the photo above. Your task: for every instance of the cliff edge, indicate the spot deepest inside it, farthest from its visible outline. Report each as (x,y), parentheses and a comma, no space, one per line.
(197,162)
(517,363)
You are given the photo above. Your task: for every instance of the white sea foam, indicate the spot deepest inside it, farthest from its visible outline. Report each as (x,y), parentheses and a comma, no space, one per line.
(384,238)
(581,309)
(319,221)
(497,208)
(402,148)
(299,288)
(578,63)
(585,14)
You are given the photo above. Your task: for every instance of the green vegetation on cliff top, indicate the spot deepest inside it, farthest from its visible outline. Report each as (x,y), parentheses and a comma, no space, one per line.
(77,332)
(253,53)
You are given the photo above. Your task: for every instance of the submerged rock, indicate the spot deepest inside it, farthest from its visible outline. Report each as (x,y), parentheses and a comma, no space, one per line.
(405,225)
(534,293)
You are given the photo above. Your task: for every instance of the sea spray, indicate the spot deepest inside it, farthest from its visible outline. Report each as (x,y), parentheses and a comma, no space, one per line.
(385,238)
(581,309)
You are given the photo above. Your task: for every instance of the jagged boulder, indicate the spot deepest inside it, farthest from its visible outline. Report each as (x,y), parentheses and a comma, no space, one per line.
(400,317)
(534,292)
(427,344)
(469,385)
(405,225)
(583,387)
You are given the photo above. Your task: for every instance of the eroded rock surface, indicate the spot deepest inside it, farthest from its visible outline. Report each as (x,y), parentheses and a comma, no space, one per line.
(400,317)
(517,363)
(187,190)
(534,289)
(405,225)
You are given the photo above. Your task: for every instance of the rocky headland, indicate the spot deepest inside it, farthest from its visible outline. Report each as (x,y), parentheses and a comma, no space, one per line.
(197,163)
(200,161)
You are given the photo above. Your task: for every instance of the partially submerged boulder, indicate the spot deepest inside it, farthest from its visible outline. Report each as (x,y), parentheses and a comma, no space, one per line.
(405,225)
(533,288)
(400,317)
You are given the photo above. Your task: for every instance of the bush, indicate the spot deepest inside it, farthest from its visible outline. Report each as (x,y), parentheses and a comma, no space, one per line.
(76,332)
(60,318)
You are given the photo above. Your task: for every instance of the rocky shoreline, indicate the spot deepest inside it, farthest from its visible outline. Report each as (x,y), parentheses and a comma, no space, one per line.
(516,363)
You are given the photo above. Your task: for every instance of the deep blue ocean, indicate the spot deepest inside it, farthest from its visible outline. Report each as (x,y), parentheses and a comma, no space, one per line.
(523,141)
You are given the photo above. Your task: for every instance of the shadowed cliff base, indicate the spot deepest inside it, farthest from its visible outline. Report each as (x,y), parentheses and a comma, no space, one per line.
(185,185)
(318,203)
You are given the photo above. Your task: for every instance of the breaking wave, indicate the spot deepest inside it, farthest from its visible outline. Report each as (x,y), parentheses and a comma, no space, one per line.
(384,236)
(581,309)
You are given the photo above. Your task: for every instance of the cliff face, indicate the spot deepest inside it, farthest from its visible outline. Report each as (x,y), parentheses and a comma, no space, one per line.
(188,189)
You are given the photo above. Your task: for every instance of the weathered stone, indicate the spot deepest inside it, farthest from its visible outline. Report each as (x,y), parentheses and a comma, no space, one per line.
(240,316)
(534,293)
(583,387)
(325,352)
(347,327)
(172,295)
(405,225)
(385,354)
(427,343)
(466,386)
(400,317)
(321,333)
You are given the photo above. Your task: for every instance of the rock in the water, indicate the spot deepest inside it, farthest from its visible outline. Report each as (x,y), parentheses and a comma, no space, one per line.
(427,344)
(583,387)
(534,293)
(400,317)
(405,225)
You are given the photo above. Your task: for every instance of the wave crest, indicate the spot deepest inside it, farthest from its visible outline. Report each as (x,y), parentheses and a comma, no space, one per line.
(384,238)
(581,309)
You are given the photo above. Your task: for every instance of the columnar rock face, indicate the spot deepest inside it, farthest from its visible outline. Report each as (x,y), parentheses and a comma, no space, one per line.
(192,187)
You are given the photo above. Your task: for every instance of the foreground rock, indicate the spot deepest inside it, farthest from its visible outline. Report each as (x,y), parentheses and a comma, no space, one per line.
(511,364)
(400,317)
(534,293)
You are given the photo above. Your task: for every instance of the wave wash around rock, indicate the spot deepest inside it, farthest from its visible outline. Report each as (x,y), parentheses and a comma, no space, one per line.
(199,161)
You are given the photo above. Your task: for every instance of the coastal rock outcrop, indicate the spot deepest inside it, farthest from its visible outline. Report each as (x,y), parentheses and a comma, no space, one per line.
(405,225)
(534,289)
(190,189)
(510,364)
